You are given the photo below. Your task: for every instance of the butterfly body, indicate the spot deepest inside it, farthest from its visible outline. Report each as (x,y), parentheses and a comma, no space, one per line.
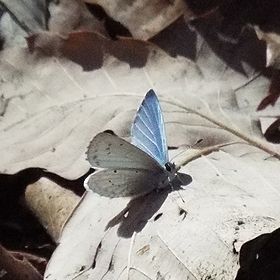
(135,169)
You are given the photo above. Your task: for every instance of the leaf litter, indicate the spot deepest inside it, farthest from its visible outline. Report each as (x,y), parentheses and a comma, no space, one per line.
(238,178)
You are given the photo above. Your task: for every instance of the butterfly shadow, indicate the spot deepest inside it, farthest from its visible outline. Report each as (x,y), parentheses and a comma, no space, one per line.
(141,209)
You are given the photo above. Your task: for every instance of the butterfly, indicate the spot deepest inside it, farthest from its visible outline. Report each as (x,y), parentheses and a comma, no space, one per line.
(136,168)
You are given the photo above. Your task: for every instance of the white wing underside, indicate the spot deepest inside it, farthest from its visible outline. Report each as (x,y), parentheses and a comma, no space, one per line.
(128,170)
(123,182)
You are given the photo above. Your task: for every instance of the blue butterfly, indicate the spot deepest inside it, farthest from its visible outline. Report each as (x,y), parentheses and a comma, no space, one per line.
(138,168)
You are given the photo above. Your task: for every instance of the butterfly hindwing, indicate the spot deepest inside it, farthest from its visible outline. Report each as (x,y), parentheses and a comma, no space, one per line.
(123,182)
(148,131)
(110,151)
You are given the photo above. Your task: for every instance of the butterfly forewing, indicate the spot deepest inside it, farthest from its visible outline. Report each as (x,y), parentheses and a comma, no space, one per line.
(148,131)
(123,182)
(110,151)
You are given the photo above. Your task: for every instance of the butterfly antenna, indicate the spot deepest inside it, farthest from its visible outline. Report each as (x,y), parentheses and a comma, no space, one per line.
(172,189)
(181,197)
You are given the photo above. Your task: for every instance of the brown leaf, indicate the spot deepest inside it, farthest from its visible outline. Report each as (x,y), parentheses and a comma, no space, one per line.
(38,262)
(203,7)
(89,48)
(13,268)
(272,133)
(273,92)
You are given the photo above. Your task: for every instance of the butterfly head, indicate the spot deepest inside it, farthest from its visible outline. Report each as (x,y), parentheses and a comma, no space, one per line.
(171,171)
(174,178)
(169,176)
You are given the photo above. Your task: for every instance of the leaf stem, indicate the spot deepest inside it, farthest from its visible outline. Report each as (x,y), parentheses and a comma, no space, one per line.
(198,153)
(241,135)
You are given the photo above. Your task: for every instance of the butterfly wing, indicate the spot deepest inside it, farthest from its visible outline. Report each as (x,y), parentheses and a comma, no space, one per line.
(123,182)
(110,151)
(131,170)
(148,131)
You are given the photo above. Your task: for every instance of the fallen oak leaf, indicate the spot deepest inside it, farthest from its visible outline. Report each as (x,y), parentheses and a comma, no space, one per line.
(210,189)
(81,99)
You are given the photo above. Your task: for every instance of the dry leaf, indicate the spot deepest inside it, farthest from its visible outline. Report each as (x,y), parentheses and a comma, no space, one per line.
(30,15)
(144,19)
(38,262)
(204,7)
(89,49)
(273,92)
(231,200)
(270,129)
(53,109)
(12,267)
(69,15)
(70,103)
(51,204)
(272,46)
(259,257)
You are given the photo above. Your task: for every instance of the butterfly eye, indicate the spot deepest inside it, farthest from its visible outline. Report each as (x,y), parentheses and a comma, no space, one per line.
(168,166)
